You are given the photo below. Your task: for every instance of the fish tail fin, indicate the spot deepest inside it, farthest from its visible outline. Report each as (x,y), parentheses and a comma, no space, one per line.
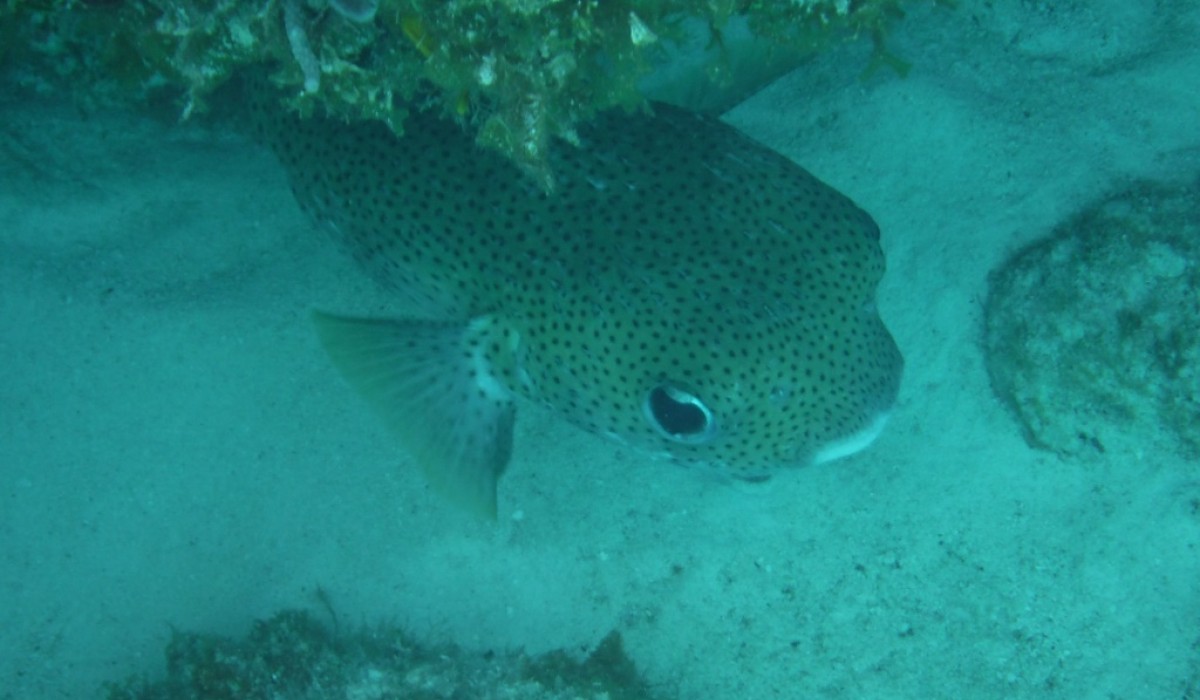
(449,412)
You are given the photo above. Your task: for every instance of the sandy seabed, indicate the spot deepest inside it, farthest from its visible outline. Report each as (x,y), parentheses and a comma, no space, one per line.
(177,452)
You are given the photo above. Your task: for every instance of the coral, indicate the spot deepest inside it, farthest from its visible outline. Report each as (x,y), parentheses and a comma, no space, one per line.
(356,10)
(298,41)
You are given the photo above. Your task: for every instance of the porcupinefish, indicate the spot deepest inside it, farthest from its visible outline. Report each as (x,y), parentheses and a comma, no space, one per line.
(683,290)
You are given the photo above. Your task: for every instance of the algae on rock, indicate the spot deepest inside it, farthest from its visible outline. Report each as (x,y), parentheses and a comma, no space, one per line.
(1092,334)
(292,655)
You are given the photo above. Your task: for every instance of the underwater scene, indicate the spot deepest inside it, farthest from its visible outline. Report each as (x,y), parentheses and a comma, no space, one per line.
(565,349)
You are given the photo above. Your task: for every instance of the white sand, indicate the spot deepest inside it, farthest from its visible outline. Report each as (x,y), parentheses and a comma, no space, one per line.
(175,451)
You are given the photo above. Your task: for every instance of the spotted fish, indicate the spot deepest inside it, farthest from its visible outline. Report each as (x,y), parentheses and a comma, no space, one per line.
(682,290)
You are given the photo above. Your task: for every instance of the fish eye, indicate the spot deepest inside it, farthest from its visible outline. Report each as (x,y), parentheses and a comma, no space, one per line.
(679,415)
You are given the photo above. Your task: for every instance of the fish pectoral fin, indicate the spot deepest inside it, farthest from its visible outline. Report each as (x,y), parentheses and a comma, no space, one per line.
(433,389)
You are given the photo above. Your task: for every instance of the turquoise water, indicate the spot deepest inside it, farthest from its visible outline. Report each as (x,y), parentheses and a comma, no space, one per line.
(176,451)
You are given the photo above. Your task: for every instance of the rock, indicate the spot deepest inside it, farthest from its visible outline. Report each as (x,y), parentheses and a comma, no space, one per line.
(1093,334)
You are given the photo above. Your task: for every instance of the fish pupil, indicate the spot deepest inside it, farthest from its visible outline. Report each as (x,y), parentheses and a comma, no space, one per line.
(679,415)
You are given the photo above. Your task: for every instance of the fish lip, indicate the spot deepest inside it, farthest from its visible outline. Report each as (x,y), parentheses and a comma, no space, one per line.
(854,442)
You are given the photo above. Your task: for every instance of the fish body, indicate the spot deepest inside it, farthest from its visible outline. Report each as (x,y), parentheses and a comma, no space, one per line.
(682,289)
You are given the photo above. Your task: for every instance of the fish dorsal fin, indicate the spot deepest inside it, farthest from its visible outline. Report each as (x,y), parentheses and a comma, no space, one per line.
(434,387)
